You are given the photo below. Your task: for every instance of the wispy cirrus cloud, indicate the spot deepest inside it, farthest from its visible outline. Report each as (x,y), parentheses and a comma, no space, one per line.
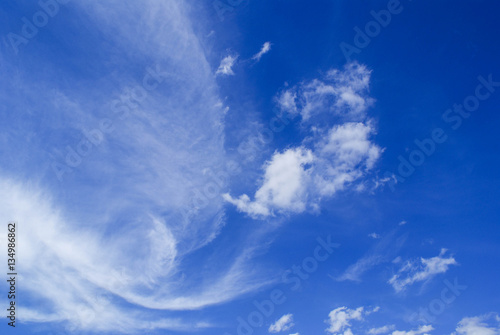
(266,47)
(106,249)
(421,270)
(425,329)
(340,319)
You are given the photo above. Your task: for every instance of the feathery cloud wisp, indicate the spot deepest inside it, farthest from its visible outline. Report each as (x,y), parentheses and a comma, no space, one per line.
(266,47)
(226,66)
(421,270)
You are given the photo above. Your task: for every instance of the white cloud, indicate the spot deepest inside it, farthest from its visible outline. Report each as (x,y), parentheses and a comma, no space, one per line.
(337,156)
(266,47)
(113,230)
(488,324)
(226,65)
(282,324)
(284,185)
(421,270)
(381,330)
(402,223)
(344,156)
(354,271)
(339,159)
(374,236)
(425,329)
(340,319)
(341,92)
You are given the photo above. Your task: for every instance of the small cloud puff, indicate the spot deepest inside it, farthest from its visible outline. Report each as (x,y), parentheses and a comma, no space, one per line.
(282,324)
(226,66)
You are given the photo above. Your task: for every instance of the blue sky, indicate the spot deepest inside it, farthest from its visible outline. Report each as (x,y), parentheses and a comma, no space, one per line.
(251,167)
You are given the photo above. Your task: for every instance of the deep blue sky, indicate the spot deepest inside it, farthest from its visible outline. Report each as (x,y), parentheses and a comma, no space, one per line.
(179,218)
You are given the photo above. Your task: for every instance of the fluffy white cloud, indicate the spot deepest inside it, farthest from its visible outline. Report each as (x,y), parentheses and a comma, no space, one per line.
(425,329)
(340,319)
(374,236)
(488,324)
(282,324)
(284,185)
(266,47)
(421,270)
(105,248)
(381,330)
(344,155)
(226,65)
(332,158)
(287,101)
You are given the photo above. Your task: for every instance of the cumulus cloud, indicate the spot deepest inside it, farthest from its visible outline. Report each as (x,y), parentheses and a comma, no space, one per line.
(423,269)
(339,319)
(424,330)
(381,330)
(382,251)
(266,47)
(226,65)
(354,271)
(326,162)
(282,324)
(488,324)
